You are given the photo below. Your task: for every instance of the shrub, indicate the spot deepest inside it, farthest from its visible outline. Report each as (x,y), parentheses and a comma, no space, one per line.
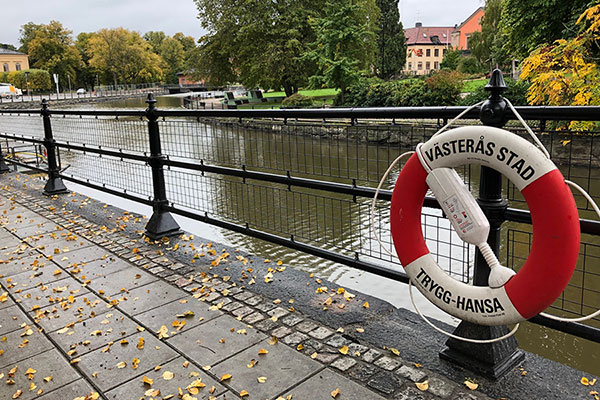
(516,92)
(39,79)
(470,65)
(444,88)
(297,100)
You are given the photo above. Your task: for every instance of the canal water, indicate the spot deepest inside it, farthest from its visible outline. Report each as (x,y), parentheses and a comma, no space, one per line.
(573,351)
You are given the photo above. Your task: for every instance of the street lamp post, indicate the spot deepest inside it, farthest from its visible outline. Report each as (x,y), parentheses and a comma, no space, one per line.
(69,78)
(27,84)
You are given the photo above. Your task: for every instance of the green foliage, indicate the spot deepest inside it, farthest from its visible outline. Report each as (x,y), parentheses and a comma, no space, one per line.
(124,56)
(8,46)
(486,45)
(172,52)
(451,59)
(391,42)
(344,44)
(526,24)
(516,92)
(259,44)
(470,65)
(38,79)
(442,88)
(50,47)
(297,100)
(155,39)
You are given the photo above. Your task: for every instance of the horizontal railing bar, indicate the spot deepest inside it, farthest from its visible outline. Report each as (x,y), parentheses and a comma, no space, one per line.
(576,113)
(316,251)
(586,225)
(22,138)
(37,111)
(114,192)
(573,328)
(99,150)
(11,161)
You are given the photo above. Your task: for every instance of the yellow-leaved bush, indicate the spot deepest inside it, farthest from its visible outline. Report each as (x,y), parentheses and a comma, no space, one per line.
(566,73)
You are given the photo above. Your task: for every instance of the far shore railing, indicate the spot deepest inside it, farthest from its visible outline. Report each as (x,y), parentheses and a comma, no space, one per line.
(314,171)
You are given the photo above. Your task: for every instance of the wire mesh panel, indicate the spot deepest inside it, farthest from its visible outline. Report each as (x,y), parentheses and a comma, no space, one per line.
(582,295)
(127,134)
(30,125)
(126,176)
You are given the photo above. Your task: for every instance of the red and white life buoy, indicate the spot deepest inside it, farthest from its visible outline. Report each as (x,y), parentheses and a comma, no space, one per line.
(555,220)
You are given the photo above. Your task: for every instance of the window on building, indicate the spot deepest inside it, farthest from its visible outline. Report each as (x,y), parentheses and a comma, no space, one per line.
(18,66)
(444,52)
(5,67)
(419,52)
(420,66)
(436,65)
(428,52)
(427,66)
(409,66)
(436,52)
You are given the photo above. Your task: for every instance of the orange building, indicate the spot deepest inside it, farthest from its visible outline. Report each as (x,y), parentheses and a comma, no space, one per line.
(462,32)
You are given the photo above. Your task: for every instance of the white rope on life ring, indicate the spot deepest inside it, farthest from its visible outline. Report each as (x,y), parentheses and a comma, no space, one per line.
(554,214)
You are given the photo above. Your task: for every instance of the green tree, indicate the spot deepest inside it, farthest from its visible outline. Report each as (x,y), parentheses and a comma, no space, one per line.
(8,46)
(171,51)
(189,48)
(391,43)
(486,45)
(451,59)
(345,42)
(124,56)
(256,43)
(526,24)
(155,39)
(85,74)
(50,47)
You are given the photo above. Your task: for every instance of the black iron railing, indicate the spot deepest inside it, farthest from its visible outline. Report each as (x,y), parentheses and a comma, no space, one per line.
(303,179)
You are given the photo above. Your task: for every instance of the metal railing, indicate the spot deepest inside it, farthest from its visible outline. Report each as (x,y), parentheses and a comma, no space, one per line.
(303,179)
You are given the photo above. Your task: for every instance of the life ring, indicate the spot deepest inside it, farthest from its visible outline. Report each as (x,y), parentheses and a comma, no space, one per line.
(556,233)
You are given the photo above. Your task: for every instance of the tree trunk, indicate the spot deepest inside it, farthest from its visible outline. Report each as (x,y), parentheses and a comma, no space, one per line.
(289,90)
(115,80)
(342,92)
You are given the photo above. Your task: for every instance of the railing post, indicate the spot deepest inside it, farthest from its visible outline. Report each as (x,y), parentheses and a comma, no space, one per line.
(162,222)
(55,184)
(495,359)
(3,167)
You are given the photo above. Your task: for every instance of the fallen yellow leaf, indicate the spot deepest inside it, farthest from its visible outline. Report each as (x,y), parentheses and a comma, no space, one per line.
(422,386)
(343,350)
(140,344)
(261,379)
(167,375)
(122,364)
(471,385)
(263,351)
(147,381)
(335,393)
(225,377)
(244,393)
(366,304)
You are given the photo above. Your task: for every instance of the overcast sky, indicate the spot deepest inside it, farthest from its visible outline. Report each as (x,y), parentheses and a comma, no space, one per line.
(173,16)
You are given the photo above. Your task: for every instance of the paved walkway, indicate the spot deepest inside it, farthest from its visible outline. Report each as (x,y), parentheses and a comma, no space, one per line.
(92,311)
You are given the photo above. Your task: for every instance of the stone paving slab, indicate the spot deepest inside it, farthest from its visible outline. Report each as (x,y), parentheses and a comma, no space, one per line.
(321,385)
(102,366)
(60,248)
(183,376)
(94,333)
(121,281)
(166,314)
(21,220)
(282,367)
(79,388)
(83,255)
(30,279)
(57,316)
(203,343)
(97,269)
(11,319)
(54,292)
(152,295)
(18,264)
(40,228)
(49,363)
(17,347)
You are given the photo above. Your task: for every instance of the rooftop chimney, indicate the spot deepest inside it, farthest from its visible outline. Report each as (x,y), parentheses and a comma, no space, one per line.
(418,24)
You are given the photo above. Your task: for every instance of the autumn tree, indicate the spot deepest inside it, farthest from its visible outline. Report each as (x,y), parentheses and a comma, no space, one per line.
(155,39)
(391,42)
(345,42)
(171,51)
(50,47)
(566,71)
(124,56)
(256,43)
